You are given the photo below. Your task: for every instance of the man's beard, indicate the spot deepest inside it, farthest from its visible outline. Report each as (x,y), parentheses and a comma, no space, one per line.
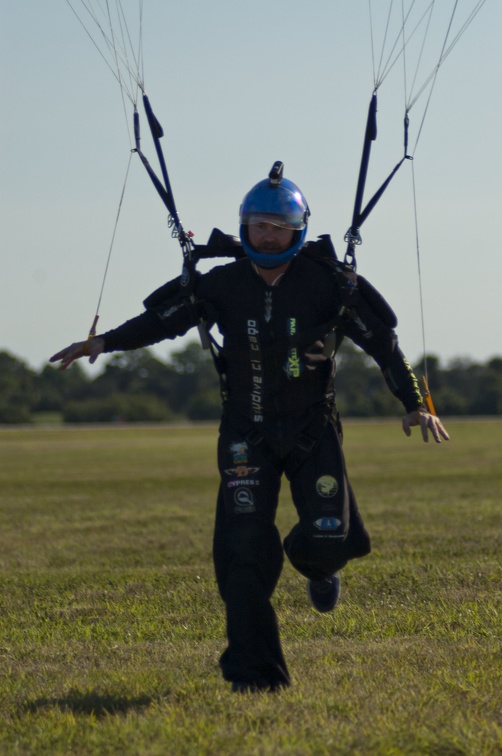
(271,248)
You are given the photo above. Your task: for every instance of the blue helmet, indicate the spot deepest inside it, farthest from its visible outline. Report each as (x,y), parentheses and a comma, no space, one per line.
(278,201)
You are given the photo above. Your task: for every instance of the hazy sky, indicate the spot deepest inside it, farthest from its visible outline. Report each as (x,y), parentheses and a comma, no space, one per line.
(238,85)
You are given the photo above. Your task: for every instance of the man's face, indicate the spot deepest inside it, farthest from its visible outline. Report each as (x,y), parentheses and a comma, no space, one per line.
(265,237)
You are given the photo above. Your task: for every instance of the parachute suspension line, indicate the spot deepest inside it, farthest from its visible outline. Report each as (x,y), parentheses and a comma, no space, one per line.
(415,212)
(136,79)
(119,76)
(92,331)
(372,41)
(405,73)
(401,41)
(125,52)
(447,50)
(417,67)
(96,45)
(425,377)
(384,70)
(352,237)
(128,62)
(136,73)
(433,78)
(141,67)
(116,54)
(377,79)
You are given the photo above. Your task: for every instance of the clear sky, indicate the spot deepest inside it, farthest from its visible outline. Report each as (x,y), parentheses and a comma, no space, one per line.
(238,85)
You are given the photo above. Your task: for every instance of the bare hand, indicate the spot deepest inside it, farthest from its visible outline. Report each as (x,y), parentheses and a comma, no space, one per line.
(427,422)
(91,348)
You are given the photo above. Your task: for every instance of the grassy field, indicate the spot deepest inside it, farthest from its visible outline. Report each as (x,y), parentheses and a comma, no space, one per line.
(111,626)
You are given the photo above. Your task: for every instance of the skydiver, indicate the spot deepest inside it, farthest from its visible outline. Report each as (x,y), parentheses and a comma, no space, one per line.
(282,309)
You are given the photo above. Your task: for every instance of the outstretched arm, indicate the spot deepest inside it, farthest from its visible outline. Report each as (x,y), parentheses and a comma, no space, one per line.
(378,339)
(166,321)
(141,331)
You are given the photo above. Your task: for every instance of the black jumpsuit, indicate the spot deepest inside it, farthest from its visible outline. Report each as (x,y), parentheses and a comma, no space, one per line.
(278,418)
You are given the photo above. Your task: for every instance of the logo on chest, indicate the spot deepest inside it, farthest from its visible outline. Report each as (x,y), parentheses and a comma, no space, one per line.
(293,366)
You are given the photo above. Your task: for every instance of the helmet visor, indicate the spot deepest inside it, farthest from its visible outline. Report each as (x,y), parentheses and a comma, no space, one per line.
(282,221)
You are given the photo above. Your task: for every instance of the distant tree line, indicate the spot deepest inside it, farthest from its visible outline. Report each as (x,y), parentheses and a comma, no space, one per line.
(139,387)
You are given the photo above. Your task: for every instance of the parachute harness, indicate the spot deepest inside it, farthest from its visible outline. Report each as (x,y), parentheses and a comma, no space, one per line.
(165,192)
(353,237)
(398,49)
(115,46)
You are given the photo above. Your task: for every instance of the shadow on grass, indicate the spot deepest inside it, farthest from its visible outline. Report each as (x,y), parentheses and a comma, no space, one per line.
(91,703)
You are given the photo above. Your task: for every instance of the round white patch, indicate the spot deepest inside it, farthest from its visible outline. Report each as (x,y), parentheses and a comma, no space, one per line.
(326,486)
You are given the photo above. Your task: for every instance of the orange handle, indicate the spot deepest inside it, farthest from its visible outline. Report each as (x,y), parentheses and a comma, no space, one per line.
(92,332)
(428,398)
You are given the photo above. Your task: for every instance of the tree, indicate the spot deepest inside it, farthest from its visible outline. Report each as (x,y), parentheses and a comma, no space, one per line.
(55,387)
(136,386)
(487,398)
(135,372)
(118,408)
(205,405)
(193,377)
(361,390)
(17,390)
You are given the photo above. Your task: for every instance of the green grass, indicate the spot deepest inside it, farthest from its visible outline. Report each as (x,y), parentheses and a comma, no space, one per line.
(111,626)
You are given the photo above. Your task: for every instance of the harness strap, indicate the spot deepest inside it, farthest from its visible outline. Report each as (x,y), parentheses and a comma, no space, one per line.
(353,237)
(187,280)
